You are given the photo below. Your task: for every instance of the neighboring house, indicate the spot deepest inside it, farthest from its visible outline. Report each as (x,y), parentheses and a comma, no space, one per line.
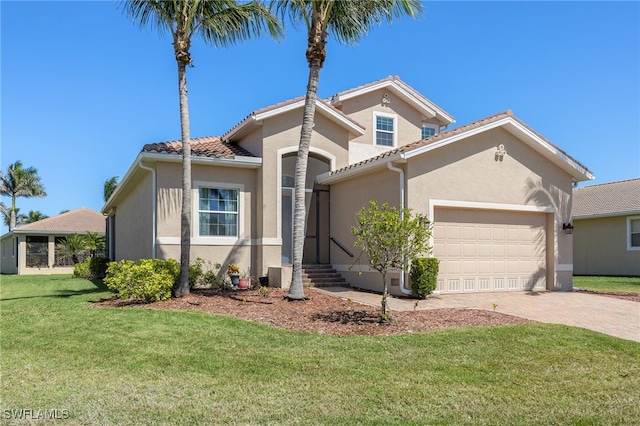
(606,240)
(31,249)
(497,192)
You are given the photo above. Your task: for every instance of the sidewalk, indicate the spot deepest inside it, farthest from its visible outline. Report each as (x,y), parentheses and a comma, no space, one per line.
(616,317)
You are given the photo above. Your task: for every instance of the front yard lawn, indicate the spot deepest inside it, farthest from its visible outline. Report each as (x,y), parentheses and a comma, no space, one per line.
(144,366)
(608,284)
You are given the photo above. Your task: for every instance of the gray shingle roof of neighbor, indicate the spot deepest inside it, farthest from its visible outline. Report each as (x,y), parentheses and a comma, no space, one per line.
(210,146)
(607,199)
(75,221)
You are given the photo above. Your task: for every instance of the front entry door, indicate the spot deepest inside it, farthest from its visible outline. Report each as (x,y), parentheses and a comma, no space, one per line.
(316,242)
(316,245)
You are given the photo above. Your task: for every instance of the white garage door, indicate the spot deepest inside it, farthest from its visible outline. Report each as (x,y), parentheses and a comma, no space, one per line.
(488,250)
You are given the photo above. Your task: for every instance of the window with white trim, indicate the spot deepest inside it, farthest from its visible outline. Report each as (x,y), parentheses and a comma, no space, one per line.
(218,212)
(385,130)
(427,131)
(633,229)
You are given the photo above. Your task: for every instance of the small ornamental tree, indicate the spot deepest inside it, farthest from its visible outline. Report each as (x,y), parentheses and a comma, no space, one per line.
(390,237)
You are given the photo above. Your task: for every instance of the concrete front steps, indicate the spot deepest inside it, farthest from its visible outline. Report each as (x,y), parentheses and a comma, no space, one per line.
(322,276)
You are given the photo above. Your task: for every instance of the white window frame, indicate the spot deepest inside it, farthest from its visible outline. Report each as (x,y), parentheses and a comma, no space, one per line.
(429,126)
(394,117)
(629,246)
(195,216)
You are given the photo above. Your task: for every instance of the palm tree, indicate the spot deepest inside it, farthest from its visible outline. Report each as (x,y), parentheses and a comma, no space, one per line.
(109,186)
(95,242)
(348,21)
(20,182)
(73,246)
(220,23)
(34,216)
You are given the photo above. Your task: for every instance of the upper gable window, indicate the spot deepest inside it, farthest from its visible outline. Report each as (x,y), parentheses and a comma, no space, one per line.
(386,129)
(633,230)
(427,131)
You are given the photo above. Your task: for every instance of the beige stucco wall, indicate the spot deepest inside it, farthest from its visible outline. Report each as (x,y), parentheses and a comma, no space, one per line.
(241,251)
(600,248)
(134,227)
(466,171)
(361,109)
(347,198)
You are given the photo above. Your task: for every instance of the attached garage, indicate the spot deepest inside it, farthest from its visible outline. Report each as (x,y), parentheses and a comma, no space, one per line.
(490,250)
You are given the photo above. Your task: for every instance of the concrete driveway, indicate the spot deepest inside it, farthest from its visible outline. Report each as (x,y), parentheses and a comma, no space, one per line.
(616,317)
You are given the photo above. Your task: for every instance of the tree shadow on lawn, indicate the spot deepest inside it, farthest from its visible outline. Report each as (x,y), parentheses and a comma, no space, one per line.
(66,293)
(348,317)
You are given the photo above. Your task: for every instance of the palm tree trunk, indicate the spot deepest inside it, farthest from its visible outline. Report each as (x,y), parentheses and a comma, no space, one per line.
(185,223)
(12,215)
(296,291)
(316,54)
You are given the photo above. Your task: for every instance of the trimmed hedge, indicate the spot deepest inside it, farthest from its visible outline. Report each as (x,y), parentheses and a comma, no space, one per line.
(424,275)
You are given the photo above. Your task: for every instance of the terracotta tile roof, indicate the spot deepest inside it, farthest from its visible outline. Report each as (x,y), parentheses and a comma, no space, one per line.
(80,220)
(453,132)
(210,146)
(607,199)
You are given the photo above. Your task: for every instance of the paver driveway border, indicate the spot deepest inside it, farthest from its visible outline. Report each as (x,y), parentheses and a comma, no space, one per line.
(616,317)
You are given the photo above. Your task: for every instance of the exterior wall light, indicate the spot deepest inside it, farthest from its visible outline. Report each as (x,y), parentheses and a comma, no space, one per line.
(424,220)
(568,228)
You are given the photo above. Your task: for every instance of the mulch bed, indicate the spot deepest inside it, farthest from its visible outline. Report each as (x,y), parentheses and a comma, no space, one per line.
(325,314)
(322,314)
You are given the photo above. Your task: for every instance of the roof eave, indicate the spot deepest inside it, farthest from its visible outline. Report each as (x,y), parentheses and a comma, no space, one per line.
(577,171)
(238,161)
(426,107)
(605,215)
(330,178)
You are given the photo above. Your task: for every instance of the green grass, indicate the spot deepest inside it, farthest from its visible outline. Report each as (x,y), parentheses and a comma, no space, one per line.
(143,366)
(613,284)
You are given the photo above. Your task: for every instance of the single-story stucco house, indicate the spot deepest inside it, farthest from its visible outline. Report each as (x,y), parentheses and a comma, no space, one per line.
(496,191)
(606,240)
(31,249)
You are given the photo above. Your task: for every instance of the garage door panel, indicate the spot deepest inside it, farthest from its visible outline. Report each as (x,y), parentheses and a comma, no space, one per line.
(469,250)
(486,250)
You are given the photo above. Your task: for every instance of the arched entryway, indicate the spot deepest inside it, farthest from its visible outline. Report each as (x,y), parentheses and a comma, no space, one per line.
(316,244)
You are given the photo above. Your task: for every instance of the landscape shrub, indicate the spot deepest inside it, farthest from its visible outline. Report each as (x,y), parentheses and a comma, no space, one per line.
(424,275)
(98,266)
(82,270)
(205,274)
(148,279)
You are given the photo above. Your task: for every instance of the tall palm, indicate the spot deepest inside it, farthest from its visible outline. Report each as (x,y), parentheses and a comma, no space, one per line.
(20,182)
(348,21)
(34,216)
(219,23)
(109,186)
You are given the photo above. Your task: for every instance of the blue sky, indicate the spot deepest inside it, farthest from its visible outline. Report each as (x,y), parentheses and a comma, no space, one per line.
(83,88)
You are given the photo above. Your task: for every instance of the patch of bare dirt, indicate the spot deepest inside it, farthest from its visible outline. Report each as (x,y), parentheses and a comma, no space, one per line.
(323,314)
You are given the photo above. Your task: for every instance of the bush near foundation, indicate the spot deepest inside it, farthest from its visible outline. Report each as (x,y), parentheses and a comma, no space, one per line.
(424,275)
(82,270)
(147,279)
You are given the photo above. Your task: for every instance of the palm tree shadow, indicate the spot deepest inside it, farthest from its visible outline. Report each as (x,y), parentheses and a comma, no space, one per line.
(544,194)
